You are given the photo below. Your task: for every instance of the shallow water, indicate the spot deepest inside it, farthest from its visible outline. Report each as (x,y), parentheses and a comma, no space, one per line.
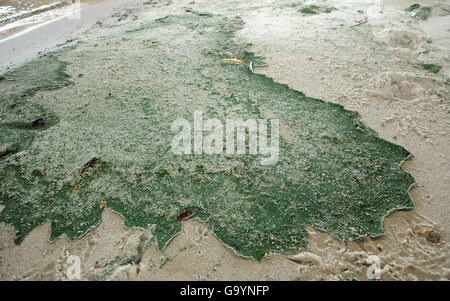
(11,10)
(16,16)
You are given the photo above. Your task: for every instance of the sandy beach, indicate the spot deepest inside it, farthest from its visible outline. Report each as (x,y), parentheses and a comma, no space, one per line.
(368,56)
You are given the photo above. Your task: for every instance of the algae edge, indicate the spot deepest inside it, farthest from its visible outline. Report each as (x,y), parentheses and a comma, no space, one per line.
(45,72)
(334,173)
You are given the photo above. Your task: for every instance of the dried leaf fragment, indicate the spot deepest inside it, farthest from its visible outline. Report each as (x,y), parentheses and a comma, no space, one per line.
(103,204)
(235,61)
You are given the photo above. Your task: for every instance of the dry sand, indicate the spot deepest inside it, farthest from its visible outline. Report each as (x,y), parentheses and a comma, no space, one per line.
(367,68)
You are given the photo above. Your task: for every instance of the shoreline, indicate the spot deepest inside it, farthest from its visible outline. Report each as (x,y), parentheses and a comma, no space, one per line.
(36,11)
(41,37)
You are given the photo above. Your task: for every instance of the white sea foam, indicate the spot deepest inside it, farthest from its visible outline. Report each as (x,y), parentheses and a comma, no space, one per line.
(11,18)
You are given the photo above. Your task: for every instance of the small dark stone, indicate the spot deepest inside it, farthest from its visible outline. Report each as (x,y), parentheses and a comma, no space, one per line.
(162,173)
(433,237)
(90,164)
(38,123)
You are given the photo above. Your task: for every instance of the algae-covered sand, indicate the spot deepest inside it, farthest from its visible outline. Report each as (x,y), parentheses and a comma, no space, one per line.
(107,141)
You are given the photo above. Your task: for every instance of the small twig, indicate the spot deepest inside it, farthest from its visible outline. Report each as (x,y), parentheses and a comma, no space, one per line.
(360,22)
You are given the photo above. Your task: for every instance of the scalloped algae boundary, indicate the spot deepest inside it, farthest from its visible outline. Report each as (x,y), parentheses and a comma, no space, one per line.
(17,115)
(334,173)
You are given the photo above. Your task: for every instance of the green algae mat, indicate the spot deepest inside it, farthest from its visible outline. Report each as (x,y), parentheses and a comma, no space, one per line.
(89,127)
